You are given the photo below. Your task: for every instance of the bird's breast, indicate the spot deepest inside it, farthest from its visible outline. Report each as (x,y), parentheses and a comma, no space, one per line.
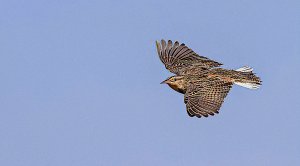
(177,88)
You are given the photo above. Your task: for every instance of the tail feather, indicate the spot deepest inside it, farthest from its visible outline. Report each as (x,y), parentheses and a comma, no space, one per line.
(245,69)
(248,85)
(246,78)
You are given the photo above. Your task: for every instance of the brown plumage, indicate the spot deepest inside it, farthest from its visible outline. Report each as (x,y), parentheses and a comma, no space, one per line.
(203,84)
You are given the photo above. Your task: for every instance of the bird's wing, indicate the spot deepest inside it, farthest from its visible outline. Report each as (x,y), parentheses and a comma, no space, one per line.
(178,58)
(205,96)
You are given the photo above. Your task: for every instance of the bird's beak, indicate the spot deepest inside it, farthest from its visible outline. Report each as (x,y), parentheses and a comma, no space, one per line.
(164,82)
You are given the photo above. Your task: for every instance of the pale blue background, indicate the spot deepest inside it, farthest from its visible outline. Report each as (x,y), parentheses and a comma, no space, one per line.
(80,83)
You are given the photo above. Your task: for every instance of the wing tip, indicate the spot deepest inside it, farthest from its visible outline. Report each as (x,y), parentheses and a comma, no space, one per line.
(169,42)
(157,43)
(158,47)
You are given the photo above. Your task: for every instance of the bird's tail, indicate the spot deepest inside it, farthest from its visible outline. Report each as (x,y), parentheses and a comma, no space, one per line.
(246,78)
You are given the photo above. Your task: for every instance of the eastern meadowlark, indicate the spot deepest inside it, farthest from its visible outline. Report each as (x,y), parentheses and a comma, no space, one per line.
(203,84)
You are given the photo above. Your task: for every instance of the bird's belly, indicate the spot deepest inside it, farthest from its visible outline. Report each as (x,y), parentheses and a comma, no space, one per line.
(178,89)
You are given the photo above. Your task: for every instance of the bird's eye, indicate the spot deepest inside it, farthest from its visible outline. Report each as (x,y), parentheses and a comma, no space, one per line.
(174,79)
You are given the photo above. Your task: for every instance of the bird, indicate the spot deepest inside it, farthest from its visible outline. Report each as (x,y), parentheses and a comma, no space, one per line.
(203,82)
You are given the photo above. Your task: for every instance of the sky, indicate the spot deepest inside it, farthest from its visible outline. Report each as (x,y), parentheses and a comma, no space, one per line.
(80,83)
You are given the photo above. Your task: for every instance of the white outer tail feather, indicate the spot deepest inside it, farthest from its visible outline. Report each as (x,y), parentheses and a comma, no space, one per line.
(248,84)
(245,69)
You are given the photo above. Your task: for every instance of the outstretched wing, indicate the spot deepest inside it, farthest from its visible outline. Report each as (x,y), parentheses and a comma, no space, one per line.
(205,96)
(179,58)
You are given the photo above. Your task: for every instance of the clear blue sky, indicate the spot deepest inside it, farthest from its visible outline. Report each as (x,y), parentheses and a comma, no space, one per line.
(80,83)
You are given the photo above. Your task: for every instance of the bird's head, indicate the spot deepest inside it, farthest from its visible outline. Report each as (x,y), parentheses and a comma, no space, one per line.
(173,80)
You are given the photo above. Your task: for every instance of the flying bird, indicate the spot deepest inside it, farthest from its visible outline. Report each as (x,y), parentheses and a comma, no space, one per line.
(203,83)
